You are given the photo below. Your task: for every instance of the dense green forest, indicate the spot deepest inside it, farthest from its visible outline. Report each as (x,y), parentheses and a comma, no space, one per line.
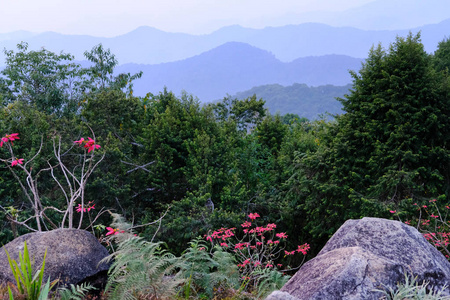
(209,167)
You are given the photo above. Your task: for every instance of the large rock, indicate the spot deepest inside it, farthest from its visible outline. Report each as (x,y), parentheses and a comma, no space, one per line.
(364,255)
(72,255)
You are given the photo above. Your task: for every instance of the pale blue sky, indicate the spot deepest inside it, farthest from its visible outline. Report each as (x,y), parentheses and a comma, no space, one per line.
(115,17)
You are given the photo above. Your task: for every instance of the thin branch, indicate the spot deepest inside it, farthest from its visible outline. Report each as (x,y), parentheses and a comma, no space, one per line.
(138,166)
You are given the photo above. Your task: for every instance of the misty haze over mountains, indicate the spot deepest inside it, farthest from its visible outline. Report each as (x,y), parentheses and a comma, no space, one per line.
(235,67)
(234,59)
(147,45)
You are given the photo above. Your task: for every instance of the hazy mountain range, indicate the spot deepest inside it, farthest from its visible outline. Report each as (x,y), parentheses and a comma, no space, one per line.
(147,45)
(377,15)
(235,67)
(235,59)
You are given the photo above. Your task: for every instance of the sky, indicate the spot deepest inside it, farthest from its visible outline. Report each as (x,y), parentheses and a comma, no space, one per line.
(109,18)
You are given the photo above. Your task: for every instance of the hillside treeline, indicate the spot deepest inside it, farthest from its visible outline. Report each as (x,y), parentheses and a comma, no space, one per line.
(210,166)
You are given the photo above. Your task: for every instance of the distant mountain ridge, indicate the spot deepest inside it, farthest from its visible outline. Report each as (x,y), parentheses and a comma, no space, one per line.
(235,67)
(148,45)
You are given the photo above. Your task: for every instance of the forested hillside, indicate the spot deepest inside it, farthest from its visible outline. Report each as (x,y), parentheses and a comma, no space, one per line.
(305,101)
(214,166)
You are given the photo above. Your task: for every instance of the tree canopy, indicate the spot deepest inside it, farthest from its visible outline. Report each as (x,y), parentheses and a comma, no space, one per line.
(210,166)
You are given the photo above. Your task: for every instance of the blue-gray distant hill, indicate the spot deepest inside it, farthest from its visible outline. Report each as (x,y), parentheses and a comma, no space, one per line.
(148,45)
(235,67)
(305,101)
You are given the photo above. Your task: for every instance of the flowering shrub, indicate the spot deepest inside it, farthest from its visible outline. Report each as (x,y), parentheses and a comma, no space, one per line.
(72,184)
(432,221)
(260,247)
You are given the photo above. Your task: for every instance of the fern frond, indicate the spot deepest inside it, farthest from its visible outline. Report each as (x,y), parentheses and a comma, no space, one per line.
(142,269)
(208,270)
(269,280)
(75,292)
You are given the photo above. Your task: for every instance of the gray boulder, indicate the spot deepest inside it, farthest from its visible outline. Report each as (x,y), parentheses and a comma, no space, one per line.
(368,254)
(72,255)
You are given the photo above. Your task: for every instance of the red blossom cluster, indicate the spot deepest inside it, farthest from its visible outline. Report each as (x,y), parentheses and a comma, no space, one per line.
(435,227)
(438,239)
(9,138)
(88,144)
(85,208)
(16,162)
(258,248)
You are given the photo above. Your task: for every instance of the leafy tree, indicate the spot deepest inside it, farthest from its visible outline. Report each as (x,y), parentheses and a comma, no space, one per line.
(396,128)
(290,118)
(100,75)
(42,78)
(441,59)
(271,132)
(245,113)
(390,145)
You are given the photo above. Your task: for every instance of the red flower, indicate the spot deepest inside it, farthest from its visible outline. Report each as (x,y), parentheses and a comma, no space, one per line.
(246,224)
(89,144)
(17,161)
(303,248)
(87,207)
(112,231)
(80,142)
(9,137)
(253,216)
(282,235)
(271,226)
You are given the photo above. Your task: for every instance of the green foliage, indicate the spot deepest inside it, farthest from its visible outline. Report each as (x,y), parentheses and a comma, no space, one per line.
(244,113)
(42,78)
(441,58)
(307,102)
(411,289)
(269,280)
(207,271)
(215,164)
(291,118)
(29,283)
(141,269)
(396,128)
(388,146)
(100,75)
(75,292)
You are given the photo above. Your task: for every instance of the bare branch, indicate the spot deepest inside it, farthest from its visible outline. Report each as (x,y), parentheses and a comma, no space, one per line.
(138,166)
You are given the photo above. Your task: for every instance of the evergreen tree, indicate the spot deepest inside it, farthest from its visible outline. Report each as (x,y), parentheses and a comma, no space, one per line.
(391,143)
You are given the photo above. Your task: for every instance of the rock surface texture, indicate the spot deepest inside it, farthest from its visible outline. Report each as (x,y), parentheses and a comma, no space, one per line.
(364,255)
(72,255)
